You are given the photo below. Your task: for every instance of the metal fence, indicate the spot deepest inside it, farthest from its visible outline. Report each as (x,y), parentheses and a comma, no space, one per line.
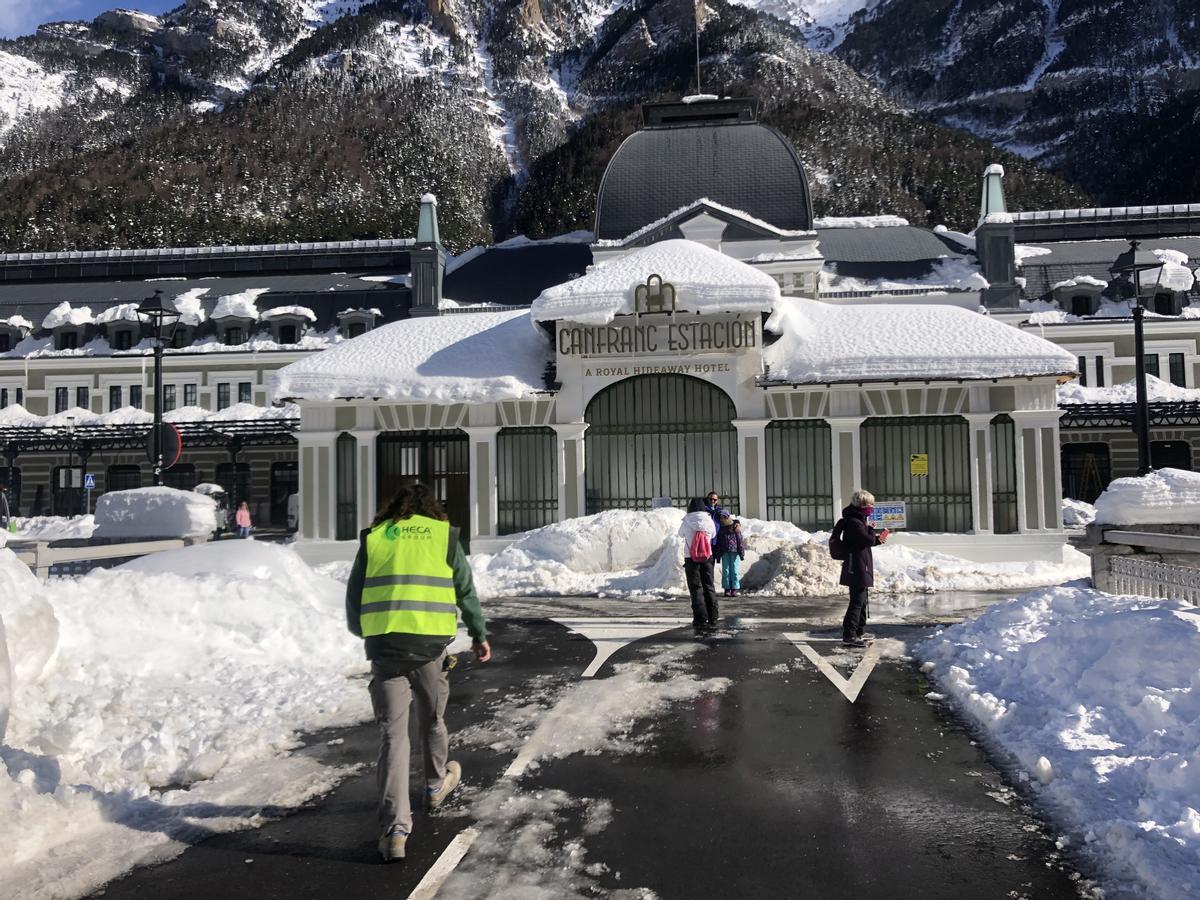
(1148,578)
(800,473)
(937,501)
(526,479)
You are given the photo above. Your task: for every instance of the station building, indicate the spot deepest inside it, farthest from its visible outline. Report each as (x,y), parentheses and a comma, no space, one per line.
(523,410)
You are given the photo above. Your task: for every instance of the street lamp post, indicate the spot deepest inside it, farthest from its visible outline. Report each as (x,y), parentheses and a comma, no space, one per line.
(1133,262)
(160,318)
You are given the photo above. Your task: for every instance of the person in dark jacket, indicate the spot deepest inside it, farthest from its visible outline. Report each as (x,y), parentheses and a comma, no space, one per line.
(409,581)
(731,550)
(712,505)
(858,568)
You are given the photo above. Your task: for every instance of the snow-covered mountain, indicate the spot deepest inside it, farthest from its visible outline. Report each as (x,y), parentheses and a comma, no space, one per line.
(242,120)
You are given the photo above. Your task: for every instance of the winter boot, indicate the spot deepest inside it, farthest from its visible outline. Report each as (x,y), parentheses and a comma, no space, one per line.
(449,783)
(391,845)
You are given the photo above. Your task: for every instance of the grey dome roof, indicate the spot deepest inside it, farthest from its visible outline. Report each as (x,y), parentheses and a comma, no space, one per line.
(743,165)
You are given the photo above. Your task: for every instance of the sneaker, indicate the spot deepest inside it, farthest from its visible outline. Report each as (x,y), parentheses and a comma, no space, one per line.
(453,776)
(391,845)
(853,642)
(866,636)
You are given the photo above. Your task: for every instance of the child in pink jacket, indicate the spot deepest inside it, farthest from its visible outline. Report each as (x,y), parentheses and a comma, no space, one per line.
(242,519)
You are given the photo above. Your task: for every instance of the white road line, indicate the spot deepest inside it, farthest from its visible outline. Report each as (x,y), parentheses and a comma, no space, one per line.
(849,689)
(445,865)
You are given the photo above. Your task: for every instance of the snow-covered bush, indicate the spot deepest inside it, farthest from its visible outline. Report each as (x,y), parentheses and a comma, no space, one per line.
(155,512)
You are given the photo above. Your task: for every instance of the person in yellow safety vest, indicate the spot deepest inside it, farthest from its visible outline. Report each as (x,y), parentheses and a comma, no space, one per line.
(409,580)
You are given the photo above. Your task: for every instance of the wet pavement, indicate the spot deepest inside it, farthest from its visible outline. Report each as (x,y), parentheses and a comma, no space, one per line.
(777,786)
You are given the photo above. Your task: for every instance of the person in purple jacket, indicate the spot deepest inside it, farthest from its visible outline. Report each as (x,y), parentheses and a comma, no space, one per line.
(731,549)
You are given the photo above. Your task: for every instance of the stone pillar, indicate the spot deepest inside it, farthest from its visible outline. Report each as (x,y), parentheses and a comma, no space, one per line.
(980,453)
(482,459)
(572,472)
(752,466)
(367,501)
(846,456)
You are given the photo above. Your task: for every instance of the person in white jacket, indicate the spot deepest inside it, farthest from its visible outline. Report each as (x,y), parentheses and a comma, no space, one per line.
(698,565)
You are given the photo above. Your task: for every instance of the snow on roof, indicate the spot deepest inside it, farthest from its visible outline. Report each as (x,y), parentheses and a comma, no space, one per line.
(65,314)
(821,343)
(1176,275)
(302,312)
(994,169)
(240,305)
(884,221)
(404,279)
(1079,281)
(696,204)
(16,415)
(454,263)
(705,280)
(998,218)
(188,306)
(17,322)
(464,358)
(122,312)
(950,273)
(360,309)
(1157,391)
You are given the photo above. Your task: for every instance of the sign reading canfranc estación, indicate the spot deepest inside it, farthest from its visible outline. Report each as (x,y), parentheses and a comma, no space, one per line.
(666,334)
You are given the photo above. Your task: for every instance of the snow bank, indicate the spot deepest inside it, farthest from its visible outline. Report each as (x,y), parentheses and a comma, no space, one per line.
(154,512)
(1157,391)
(54,528)
(28,631)
(1076,513)
(820,342)
(705,281)
(1165,497)
(196,667)
(464,358)
(626,553)
(1097,699)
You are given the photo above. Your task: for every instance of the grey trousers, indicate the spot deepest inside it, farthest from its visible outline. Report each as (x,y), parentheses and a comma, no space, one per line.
(429,688)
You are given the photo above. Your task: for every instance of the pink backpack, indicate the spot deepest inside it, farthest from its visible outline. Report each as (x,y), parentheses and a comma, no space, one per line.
(700,548)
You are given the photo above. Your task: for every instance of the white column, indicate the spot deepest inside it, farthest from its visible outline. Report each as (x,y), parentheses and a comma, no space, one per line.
(847,474)
(365,466)
(980,453)
(483,517)
(752,466)
(572,472)
(1037,426)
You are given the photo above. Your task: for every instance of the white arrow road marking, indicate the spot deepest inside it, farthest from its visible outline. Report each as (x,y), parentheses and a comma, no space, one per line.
(611,634)
(850,689)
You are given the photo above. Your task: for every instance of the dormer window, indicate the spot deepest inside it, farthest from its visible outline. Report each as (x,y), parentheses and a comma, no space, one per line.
(5,341)
(289,324)
(353,322)
(287,334)
(67,340)
(234,336)
(182,337)
(1168,304)
(1081,305)
(123,339)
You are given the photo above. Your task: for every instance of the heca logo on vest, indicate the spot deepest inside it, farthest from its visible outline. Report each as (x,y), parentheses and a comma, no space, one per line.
(396,531)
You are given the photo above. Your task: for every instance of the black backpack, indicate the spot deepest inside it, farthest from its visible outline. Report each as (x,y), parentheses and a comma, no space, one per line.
(836,548)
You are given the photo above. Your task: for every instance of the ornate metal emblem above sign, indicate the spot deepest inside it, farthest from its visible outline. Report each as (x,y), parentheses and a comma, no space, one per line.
(655,296)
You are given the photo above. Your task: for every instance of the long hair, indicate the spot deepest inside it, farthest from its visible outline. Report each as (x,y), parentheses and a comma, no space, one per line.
(697,505)
(413,499)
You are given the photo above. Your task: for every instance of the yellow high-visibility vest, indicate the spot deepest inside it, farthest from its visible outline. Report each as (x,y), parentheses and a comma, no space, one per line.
(409,586)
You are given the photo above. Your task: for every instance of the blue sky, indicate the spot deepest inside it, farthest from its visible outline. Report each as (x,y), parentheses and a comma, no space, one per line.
(18,17)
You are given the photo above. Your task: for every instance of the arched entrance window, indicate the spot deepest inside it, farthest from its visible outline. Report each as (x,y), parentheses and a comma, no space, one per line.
(1086,470)
(1004,475)
(347,487)
(652,436)
(439,458)
(1171,455)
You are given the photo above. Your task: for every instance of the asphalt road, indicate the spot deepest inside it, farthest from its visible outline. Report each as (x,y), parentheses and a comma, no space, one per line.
(777,786)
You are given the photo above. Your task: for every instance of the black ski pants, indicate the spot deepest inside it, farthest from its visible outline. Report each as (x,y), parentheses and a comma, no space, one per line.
(704,594)
(856,614)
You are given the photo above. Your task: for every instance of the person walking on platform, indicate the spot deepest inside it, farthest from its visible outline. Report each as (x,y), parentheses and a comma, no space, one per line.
(408,583)
(698,533)
(731,550)
(851,542)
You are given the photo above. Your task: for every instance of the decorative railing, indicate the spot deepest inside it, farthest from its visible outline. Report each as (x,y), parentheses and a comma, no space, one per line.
(1148,578)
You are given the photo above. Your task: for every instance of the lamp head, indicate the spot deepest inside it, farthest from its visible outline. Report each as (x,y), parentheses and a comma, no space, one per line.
(157,314)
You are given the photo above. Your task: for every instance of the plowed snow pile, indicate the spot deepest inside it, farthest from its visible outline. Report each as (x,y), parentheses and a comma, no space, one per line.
(194,667)
(1097,700)
(625,553)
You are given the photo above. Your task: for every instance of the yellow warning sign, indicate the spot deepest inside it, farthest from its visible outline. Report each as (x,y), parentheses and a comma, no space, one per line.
(918,465)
